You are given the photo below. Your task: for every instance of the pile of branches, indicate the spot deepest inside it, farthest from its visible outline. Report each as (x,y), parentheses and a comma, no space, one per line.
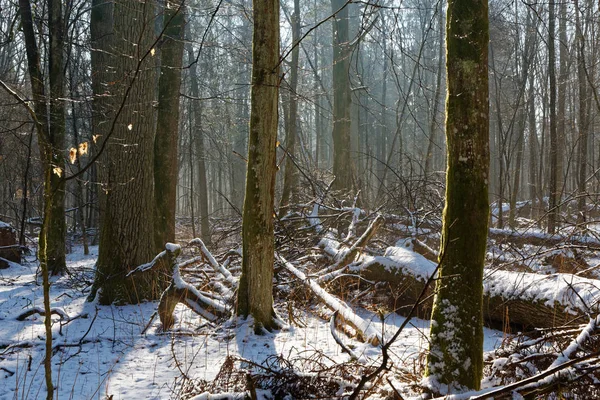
(300,378)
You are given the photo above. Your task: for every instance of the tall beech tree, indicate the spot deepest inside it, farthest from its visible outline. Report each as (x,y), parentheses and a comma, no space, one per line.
(127,164)
(455,360)
(255,292)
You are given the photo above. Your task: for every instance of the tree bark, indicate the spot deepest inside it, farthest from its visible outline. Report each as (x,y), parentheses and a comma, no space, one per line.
(127,166)
(255,293)
(456,348)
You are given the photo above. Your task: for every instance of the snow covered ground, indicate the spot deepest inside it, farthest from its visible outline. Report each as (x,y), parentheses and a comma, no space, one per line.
(103,353)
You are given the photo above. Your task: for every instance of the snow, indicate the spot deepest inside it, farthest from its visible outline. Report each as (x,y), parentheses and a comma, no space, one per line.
(314,219)
(172,247)
(115,358)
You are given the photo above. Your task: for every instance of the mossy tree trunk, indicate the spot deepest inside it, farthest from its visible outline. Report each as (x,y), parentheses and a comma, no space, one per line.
(343,166)
(255,292)
(167,130)
(127,164)
(455,361)
(290,178)
(50,126)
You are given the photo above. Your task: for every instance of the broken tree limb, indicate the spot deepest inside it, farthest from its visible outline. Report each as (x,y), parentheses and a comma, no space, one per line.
(366,331)
(180,291)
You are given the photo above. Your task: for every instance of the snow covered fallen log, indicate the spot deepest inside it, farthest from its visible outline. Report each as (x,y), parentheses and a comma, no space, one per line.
(525,300)
(543,239)
(365,329)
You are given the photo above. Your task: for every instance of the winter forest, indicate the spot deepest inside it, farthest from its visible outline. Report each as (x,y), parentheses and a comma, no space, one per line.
(261,199)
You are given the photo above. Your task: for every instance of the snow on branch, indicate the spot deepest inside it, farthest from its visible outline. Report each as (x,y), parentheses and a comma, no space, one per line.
(212,261)
(39,310)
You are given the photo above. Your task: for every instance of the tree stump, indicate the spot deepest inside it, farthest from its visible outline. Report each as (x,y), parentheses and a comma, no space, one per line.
(9,248)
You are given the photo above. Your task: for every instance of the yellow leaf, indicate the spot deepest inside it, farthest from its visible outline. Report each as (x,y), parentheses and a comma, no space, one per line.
(72,155)
(130,127)
(95,138)
(57,171)
(83,148)
(277,144)
(152,52)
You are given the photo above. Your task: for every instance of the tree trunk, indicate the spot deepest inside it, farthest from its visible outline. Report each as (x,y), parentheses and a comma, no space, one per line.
(51,133)
(343,166)
(583,118)
(167,129)
(554,156)
(456,348)
(534,181)
(290,178)
(433,129)
(255,293)
(521,115)
(200,152)
(127,167)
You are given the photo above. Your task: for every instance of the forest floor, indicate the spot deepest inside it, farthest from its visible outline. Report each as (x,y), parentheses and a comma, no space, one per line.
(101,352)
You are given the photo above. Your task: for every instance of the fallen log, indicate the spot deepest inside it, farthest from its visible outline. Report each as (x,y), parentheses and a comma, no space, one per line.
(523,300)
